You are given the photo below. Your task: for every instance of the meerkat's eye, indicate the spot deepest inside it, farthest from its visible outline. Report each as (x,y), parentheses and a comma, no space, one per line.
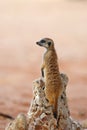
(42,41)
(49,43)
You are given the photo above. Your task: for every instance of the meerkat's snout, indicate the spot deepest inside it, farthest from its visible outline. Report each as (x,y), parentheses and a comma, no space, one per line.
(38,43)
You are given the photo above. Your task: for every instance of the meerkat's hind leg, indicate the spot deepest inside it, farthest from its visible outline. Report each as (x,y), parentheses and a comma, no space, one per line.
(53,103)
(50,100)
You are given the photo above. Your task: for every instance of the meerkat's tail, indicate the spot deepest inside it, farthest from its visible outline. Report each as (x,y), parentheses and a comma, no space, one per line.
(55,111)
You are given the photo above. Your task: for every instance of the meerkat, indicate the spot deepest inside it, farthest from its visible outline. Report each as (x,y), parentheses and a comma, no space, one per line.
(51,74)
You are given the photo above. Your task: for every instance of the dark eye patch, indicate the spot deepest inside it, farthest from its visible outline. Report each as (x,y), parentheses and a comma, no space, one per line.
(49,43)
(42,41)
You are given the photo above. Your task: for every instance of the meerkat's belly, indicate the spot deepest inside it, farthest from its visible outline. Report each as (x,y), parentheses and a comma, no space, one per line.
(52,81)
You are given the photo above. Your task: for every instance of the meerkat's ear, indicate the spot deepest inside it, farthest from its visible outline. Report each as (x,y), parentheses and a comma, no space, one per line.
(49,43)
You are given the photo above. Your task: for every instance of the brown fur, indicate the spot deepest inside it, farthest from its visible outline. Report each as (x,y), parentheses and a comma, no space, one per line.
(53,83)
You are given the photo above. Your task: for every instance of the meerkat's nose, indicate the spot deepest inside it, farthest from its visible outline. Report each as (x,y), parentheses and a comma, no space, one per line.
(37,42)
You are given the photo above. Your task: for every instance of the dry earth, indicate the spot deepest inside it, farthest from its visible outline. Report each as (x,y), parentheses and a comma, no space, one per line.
(22,23)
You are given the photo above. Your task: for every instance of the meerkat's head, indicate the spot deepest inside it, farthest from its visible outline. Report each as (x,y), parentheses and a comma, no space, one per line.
(46,42)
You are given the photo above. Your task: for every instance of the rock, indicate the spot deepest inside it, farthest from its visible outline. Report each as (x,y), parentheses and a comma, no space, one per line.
(20,123)
(40,115)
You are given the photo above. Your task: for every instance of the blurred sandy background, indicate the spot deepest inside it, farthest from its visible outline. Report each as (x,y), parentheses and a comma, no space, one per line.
(22,23)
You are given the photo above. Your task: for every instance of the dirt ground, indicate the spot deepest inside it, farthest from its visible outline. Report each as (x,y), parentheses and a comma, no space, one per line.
(22,23)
